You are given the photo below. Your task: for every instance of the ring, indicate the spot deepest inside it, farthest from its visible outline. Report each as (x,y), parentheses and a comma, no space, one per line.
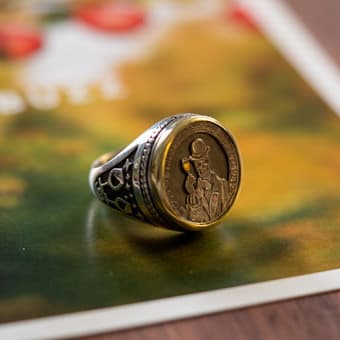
(183,174)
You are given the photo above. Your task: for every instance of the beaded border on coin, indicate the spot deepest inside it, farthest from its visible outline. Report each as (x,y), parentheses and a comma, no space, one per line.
(133,181)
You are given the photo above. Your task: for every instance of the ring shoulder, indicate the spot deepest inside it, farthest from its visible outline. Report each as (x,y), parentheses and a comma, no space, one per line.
(114,186)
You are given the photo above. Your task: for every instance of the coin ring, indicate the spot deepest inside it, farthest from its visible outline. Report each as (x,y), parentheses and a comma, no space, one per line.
(183,174)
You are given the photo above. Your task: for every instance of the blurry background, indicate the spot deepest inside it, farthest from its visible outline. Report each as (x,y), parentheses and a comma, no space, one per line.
(78,79)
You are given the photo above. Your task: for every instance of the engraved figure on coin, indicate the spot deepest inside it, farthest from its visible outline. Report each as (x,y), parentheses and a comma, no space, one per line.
(207,193)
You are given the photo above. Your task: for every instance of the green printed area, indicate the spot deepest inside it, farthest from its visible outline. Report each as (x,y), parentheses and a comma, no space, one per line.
(60,251)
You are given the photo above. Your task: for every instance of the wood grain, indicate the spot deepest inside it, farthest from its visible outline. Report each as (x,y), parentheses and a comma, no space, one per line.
(314,317)
(322,19)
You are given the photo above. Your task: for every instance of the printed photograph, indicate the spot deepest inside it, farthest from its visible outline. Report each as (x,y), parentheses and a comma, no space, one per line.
(82,78)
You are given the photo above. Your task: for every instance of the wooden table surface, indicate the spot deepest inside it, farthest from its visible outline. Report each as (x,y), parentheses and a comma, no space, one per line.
(313,317)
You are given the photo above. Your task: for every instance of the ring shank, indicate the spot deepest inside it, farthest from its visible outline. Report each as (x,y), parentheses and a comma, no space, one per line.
(96,166)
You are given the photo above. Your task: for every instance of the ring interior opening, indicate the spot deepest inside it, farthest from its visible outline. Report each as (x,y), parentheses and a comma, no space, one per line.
(103,159)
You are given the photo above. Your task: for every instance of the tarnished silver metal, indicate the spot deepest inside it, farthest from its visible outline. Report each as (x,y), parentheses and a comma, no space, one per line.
(183,173)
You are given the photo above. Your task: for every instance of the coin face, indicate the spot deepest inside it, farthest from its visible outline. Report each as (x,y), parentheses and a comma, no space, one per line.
(201,174)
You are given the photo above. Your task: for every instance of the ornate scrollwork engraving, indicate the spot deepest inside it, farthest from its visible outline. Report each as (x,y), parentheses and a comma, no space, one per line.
(114,188)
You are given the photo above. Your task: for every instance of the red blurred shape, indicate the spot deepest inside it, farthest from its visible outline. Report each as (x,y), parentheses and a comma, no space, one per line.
(240,15)
(112,17)
(18,41)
